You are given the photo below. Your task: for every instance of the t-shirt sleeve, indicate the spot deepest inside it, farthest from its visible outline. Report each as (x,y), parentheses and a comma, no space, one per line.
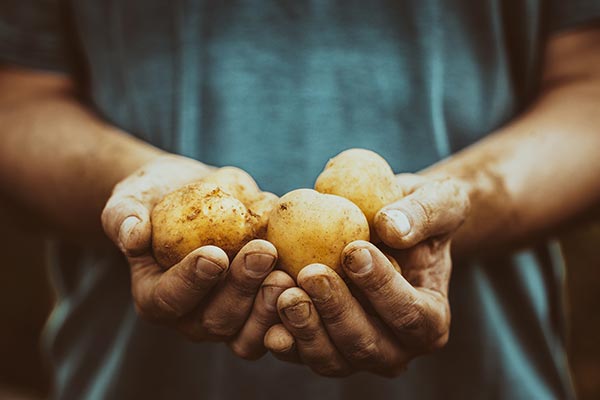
(32,34)
(565,14)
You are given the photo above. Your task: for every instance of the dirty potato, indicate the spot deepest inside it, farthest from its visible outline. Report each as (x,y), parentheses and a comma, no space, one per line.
(224,209)
(309,227)
(234,181)
(363,177)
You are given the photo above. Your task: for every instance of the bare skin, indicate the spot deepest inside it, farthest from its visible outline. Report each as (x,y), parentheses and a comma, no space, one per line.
(79,160)
(204,297)
(535,173)
(85,168)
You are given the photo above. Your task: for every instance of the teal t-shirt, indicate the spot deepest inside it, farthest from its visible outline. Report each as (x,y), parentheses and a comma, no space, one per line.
(276,88)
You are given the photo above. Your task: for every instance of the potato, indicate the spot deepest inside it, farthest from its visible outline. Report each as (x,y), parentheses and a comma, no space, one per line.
(225,209)
(309,227)
(236,182)
(363,177)
(242,186)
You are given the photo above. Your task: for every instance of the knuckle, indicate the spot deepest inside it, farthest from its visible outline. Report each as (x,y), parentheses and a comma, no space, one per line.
(411,319)
(166,305)
(462,196)
(114,205)
(265,318)
(306,333)
(426,260)
(335,313)
(426,333)
(460,202)
(218,327)
(376,283)
(365,351)
(425,210)
(192,281)
(246,351)
(246,288)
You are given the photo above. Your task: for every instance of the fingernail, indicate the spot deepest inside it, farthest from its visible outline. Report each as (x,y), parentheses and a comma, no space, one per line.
(359,261)
(208,268)
(399,221)
(318,288)
(270,296)
(279,343)
(127,226)
(258,263)
(297,313)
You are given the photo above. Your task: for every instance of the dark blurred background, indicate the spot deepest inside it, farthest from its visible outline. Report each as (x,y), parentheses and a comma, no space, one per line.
(26,299)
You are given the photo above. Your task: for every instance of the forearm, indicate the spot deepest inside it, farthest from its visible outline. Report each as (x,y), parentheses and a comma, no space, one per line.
(533,174)
(57,157)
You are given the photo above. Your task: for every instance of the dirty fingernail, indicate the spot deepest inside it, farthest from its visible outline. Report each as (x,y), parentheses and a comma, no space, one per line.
(318,288)
(278,342)
(399,221)
(297,313)
(259,263)
(127,226)
(208,268)
(359,261)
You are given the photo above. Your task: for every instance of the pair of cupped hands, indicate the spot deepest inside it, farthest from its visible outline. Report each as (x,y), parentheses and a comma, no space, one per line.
(375,320)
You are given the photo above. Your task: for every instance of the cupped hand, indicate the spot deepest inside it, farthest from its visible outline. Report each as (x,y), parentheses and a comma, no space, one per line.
(400,315)
(204,296)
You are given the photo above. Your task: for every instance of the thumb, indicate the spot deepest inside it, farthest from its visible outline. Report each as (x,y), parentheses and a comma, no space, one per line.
(434,209)
(126,221)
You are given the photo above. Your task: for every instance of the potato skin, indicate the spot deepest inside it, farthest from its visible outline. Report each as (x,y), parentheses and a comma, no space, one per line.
(226,209)
(363,177)
(308,227)
(242,186)
(234,181)
(197,215)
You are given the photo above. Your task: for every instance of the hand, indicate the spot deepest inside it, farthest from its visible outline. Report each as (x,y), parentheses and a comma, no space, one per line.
(204,296)
(327,328)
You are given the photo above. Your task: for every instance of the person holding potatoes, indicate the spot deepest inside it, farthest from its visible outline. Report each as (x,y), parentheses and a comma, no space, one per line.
(173,149)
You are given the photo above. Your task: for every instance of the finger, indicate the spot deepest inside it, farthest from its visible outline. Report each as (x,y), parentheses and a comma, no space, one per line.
(163,296)
(419,317)
(249,343)
(393,261)
(314,346)
(229,306)
(425,265)
(366,345)
(410,182)
(126,221)
(433,209)
(280,342)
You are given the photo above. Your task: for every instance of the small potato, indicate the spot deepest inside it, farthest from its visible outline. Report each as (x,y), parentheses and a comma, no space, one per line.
(309,227)
(240,184)
(363,177)
(234,181)
(196,215)
(225,209)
